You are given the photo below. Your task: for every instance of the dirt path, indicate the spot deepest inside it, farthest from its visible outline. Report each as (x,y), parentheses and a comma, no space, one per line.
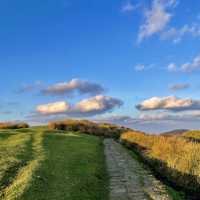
(128,179)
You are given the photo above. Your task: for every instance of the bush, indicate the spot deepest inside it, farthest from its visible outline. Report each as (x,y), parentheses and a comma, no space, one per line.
(88,127)
(11,125)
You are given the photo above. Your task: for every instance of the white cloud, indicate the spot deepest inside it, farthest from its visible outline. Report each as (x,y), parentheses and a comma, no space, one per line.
(53,108)
(97,104)
(92,106)
(142,67)
(129,6)
(169,103)
(172,67)
(74,86)
(117,119)
(166,116)
(155,116)
(156,19)
(191,66)
(187,66)
(176,35)
(139,67)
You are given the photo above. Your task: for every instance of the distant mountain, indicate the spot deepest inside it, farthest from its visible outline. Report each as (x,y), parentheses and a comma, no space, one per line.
(175,132)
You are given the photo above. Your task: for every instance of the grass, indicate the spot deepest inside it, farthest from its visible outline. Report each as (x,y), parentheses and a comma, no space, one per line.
(40,164)
(195,134)
(37,163)
(175,195)
(175,158)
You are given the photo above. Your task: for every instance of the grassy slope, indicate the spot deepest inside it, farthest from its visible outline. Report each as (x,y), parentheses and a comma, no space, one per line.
(53,166)
(193,134)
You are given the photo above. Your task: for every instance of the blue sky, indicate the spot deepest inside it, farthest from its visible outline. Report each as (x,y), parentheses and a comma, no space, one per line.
(136,51)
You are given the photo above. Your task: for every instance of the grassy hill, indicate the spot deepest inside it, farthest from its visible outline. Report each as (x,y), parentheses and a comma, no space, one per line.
(39,164)
(195,134)
(175,132)
(66,160)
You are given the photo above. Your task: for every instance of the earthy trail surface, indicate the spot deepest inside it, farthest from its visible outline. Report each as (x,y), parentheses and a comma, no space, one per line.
(128,179)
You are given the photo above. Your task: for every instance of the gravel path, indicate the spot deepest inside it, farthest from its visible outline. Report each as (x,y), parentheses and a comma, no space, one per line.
(128,179)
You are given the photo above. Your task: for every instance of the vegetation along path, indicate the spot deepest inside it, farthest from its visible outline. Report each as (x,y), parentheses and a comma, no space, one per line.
(128,179)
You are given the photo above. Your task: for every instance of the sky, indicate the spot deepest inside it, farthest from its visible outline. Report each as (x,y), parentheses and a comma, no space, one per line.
(131,62)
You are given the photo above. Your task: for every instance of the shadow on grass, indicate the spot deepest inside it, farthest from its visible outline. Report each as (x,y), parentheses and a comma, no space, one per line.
(191,139)
(10,174)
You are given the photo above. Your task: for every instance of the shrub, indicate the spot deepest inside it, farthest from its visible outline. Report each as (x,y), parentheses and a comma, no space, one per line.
(85,126)
(11,125)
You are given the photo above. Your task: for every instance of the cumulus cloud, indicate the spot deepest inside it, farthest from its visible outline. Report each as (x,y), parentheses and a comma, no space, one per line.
(88,107)
(179,86)
(74,86)
(169,103)
(96,105)
(53,108)
(156,18)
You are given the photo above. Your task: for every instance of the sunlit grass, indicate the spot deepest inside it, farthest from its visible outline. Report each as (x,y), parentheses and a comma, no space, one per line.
(40,164)
(174,157)
(195,134)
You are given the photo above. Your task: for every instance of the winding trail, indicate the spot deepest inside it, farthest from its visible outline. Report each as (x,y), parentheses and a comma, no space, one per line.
(128,179)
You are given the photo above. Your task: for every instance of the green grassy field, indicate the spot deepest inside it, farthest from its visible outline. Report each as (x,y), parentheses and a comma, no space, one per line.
(40,164)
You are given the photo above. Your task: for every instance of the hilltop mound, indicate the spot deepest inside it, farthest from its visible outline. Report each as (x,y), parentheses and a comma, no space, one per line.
(174,132)
(89,127)
(195,134)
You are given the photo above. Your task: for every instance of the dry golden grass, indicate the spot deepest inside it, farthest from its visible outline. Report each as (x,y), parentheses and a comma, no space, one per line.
(174,157)
(195,134)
